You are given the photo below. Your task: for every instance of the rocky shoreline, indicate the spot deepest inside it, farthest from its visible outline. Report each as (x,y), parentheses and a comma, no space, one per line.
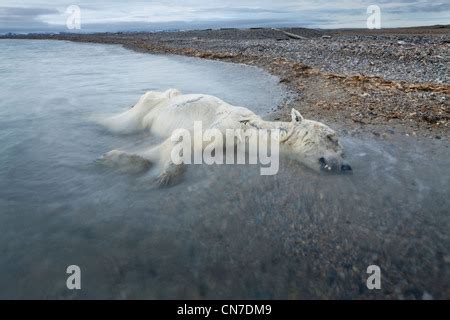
(385,82)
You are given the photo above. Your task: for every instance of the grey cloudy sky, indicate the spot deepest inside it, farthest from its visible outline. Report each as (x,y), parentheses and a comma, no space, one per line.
(114,15)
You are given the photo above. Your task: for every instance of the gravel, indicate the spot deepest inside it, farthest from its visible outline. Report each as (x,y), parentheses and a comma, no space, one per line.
(421,59)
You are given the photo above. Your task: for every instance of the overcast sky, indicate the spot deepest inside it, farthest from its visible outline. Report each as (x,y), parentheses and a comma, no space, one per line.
(115,15)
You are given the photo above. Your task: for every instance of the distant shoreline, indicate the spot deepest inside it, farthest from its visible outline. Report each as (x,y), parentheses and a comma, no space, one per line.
(382,82)
(430,30)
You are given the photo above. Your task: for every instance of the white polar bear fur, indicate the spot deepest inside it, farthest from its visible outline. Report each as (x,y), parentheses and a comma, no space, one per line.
(161,113)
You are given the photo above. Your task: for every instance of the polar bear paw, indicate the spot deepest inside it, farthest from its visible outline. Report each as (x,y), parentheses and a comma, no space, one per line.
(125,162)
(171,176)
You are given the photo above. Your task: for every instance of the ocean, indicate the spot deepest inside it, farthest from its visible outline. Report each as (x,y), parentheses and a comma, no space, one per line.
(223,231)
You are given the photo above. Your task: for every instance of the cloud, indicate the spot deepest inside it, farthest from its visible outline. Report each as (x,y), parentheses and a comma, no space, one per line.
(114,15)
(425,8)
(24,19)
(240,10)
(25,12)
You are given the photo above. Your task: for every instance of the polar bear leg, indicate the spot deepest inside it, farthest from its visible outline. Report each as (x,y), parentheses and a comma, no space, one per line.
(169,172)
(160,155)
(125,162)
(139,116)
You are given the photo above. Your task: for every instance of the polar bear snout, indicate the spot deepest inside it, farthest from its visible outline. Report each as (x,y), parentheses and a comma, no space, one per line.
(328,164)
(334,164)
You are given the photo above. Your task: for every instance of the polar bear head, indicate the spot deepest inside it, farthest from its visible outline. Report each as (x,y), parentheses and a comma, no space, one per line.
(314,144)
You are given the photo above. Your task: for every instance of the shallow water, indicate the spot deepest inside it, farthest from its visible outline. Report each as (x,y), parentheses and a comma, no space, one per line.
(224,231)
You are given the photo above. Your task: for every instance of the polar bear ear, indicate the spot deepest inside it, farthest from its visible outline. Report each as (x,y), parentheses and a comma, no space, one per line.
(296,116)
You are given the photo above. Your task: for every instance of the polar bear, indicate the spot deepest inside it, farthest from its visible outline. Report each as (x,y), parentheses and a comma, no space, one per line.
(161,113)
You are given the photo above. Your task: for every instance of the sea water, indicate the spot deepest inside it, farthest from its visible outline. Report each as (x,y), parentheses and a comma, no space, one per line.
(223,231)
